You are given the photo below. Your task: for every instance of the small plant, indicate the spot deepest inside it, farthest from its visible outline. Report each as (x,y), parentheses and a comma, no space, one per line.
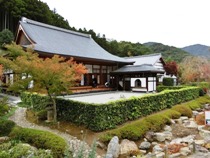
(6,127)
(41,139)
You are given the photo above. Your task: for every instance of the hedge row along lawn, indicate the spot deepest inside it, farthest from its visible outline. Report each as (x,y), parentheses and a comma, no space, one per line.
(99,117)
(137,129)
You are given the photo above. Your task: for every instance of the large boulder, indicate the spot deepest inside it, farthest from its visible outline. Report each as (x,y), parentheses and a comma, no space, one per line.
(126,146)
(113,149)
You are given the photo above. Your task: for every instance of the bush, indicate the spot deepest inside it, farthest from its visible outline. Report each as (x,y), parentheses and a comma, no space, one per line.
(137,129)
(98,117)
(157,121)
(6,127)
(162,88)
(41,139)
(171,114)
(4,107)
(20,150)
(183,109)
(168,81)
(42,114)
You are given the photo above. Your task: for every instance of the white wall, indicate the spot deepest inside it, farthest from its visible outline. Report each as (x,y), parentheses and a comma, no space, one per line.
(151,84)
(143,82)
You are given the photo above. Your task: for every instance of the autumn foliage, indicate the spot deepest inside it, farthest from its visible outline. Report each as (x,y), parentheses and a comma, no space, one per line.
(55,75)
(171,68)
(194,69)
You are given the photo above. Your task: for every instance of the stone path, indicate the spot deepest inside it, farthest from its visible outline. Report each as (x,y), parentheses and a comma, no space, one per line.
(75,145)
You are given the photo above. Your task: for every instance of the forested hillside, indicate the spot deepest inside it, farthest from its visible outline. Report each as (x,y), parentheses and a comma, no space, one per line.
(11,12)
(198,50)
(169,53)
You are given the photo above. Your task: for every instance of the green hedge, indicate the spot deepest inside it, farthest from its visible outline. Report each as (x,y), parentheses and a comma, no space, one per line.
(41,139)
(34,100)
(136,130)
(98,117)
(168,81)
(162,88)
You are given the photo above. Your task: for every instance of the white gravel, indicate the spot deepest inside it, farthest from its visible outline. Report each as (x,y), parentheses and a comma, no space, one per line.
(102,97)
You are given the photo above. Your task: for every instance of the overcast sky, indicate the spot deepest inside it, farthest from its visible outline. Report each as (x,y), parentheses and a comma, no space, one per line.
(172,22)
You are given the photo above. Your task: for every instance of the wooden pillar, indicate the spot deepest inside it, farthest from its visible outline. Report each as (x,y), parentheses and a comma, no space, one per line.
(147,82)
(123,82)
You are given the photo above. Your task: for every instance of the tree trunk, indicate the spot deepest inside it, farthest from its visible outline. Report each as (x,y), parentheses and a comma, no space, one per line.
(54,110)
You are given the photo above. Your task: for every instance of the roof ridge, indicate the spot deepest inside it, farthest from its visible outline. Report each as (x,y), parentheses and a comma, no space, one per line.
(146,55)
(140,65)
(25,20)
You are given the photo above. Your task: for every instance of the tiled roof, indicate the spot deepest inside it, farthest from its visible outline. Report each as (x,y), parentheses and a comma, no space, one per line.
(55,40)
(145,59)
(137,69)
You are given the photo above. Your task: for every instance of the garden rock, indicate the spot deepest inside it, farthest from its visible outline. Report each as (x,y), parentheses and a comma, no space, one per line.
(199,142)
(176,155)
(201,149)
(126,146)
(150,136)
(145,145)
(168,135)
(100,145)
(185,151)
(184,118)
(160,155)
(160,137)
(113,147)
(190,124)
(4,139)
(167,128)
(157,148)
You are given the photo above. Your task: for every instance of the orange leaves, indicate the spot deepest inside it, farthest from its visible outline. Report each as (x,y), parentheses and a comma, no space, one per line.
(54,74)
(194,69)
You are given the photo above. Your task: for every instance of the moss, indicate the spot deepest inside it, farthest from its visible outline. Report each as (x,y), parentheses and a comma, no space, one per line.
(183,109)
(171,114)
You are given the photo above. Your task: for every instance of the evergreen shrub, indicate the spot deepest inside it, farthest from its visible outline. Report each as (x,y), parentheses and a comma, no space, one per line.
(98,117)
(41,139)
(168,81)
(6,127)
(161,88)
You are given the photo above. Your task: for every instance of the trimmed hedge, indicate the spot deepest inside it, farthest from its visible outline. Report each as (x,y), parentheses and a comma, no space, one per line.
(162,88)
(98,117)
(41,139)
(168,81)
(137,129)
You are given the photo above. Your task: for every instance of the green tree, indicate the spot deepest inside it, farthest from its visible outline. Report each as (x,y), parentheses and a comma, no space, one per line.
(6,37)
(53,75)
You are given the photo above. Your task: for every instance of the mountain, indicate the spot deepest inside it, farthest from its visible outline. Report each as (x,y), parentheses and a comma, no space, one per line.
(198,50)
(169,53)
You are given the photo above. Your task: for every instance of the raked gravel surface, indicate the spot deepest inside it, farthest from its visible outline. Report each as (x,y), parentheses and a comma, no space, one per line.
(75,144)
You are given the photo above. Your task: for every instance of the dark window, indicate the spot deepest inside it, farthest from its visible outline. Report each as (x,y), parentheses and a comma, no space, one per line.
(138,83)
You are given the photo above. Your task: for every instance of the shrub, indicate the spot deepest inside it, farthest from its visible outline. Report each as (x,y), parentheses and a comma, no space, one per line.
(137,129)
(157,121)
(6,127)
(171,114)
(98,117)
(41,139)
(42,114)
(161,88)
(168,81)
(4,107)
(183,109)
